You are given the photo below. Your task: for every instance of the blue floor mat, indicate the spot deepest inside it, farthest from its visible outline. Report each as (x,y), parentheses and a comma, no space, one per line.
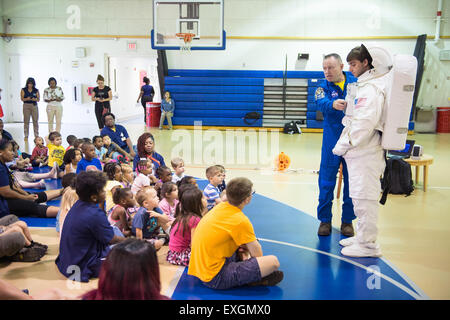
(50,184)
(313,266)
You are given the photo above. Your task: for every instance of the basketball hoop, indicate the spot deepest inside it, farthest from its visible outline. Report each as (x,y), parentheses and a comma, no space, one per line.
(187,37)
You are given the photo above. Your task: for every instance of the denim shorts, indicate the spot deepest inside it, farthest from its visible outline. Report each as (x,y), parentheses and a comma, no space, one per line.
(235,273)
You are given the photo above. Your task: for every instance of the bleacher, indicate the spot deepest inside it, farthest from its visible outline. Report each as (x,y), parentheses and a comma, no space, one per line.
(224,97)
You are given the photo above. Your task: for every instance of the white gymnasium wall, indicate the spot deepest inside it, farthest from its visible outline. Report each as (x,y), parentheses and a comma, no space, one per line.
(2,61)
(244,18)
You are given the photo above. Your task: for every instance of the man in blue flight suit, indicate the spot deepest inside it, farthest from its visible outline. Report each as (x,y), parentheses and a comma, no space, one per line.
(330,100)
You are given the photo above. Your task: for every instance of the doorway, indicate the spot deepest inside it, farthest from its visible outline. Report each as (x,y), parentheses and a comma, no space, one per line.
(125,79)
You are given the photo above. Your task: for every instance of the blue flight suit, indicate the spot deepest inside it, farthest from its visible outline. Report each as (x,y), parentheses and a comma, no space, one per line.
(325,94)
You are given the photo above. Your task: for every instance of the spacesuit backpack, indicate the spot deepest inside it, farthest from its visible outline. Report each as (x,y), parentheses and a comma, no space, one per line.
(399,92)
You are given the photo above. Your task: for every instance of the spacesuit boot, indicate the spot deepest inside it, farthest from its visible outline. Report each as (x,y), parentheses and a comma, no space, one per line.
(363,244)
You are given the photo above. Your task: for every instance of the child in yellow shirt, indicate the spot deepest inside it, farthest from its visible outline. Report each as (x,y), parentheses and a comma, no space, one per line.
(55,150)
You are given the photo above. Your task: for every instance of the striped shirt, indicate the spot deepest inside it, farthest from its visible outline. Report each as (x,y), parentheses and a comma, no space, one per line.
(211,193)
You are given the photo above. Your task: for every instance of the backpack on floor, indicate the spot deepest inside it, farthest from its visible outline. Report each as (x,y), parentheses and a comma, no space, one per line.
(291,128)
(397,178)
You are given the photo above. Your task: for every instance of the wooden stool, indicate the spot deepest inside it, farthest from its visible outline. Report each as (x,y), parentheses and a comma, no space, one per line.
(424,161)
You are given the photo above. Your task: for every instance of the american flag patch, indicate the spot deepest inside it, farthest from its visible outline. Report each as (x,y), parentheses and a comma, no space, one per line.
(361,102)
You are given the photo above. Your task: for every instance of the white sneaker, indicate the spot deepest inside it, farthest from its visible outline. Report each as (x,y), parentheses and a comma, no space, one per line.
(362,251)
(347,241)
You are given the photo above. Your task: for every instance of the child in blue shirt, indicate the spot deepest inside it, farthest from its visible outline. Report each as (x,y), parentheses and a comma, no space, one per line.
(149,218)
(87,234)
(211,191)
(89,160)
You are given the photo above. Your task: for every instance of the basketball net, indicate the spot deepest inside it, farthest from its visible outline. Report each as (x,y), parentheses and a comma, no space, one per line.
(187,37)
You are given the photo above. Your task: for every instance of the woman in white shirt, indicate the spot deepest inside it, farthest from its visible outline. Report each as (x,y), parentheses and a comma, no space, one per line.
(53,95)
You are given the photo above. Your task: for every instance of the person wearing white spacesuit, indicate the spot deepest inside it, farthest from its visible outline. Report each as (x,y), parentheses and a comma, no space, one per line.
(360,144)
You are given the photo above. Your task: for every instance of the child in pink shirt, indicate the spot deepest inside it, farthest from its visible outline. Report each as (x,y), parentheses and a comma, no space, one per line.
(188,214)
(169,195)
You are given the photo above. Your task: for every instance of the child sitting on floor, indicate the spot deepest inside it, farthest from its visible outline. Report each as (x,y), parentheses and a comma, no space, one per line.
(149,218)
(190,210)
(169,194)
(39,156)
(71,140)
(18,162)
(211,192)
(100,150)
(144,175)
(127,175)
(165,175)
(71,159)
(55,149)
(187,180)
(113,150)
(178,167)
(118,215)
(68,199)
(113,172)
(89,161)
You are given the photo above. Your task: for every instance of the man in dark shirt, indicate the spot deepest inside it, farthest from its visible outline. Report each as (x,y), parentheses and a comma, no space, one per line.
(117,133)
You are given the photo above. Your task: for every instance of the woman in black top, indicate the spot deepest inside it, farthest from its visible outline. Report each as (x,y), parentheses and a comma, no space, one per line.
(102,96)
(30,97)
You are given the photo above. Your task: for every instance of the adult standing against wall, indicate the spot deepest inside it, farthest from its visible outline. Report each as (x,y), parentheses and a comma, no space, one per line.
(53,95)
(167,109)
(30,97)
(102,95)
(146,95)
(329,96)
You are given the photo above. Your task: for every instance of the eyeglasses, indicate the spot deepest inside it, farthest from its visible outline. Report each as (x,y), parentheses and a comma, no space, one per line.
(253,192)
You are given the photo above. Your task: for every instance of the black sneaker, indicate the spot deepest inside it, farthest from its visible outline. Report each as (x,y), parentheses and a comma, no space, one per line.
(271,280)
(27,255)
(39,245)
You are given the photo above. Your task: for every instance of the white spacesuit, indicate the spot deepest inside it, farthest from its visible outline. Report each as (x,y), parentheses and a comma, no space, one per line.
(360,145)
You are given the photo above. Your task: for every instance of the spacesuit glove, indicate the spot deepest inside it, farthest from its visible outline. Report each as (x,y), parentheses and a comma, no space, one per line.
(339,150)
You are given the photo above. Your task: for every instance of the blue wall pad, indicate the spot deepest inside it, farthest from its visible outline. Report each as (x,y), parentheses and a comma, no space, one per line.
(411,125)
(227,122)
(224,73)
(313,266)
(200,114)
(214,89)
(218,97)
(214,105)
(305,74)
(244,73)
(213,81)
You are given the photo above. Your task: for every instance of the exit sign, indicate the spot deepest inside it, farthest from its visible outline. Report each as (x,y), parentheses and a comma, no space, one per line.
(131,46)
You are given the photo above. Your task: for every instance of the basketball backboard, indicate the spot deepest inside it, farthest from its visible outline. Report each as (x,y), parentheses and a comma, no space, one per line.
(203,19)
